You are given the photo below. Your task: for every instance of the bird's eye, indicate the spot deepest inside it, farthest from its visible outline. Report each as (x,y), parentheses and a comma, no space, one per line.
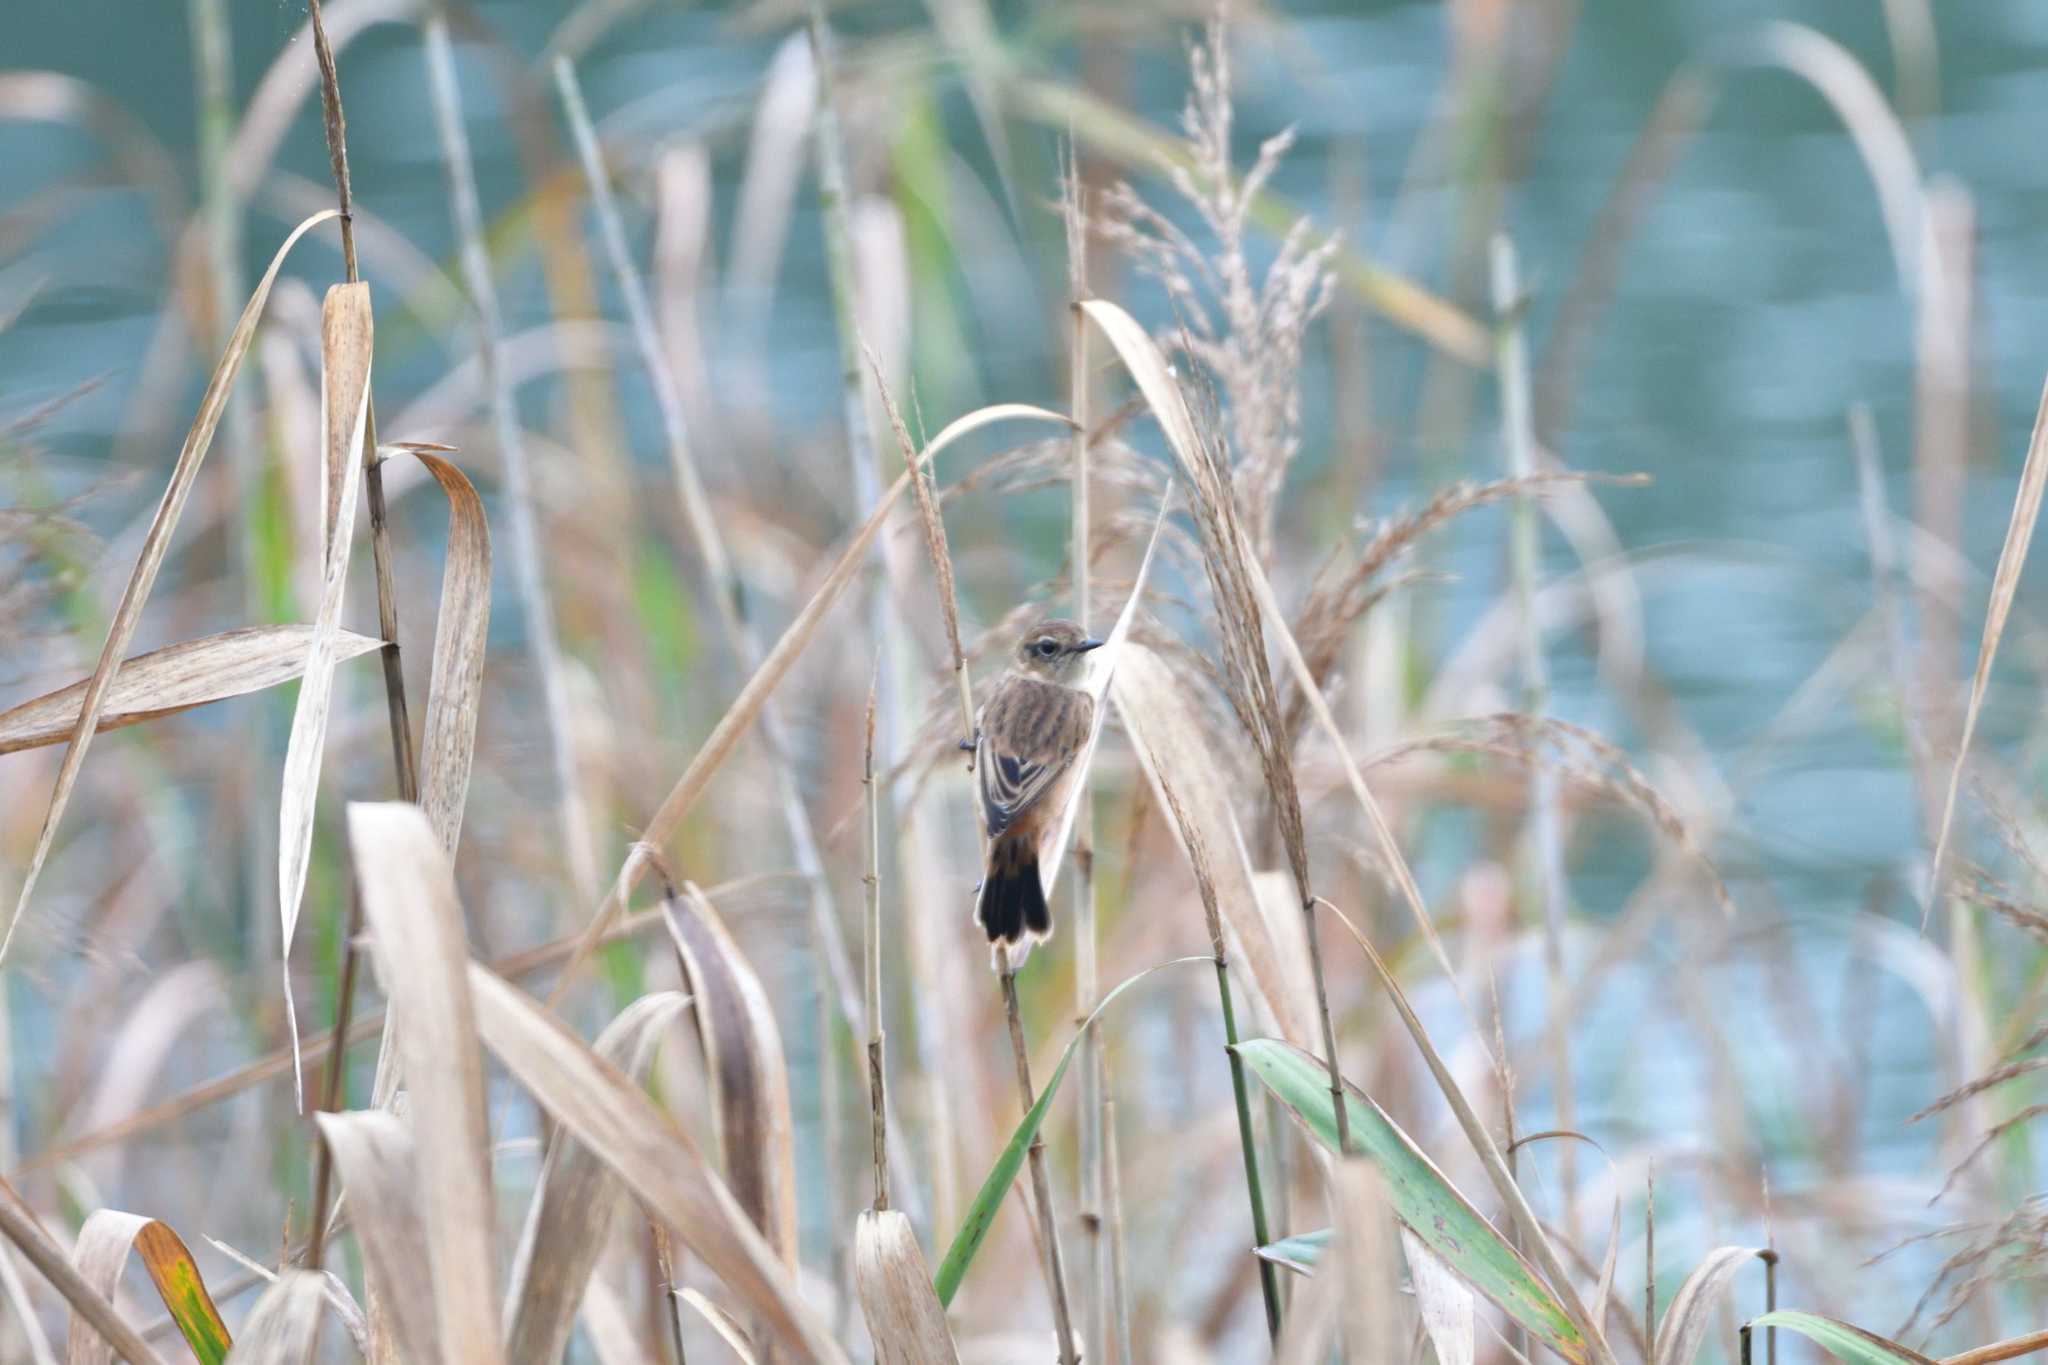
(1047,648)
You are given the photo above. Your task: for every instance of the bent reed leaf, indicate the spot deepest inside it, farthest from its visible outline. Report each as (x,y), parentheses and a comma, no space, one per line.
(906,1321)
(1421,1196)
(175,678)
(577,1200)
(461,629)
(101,1254)
(346,341)
(412,910)
(285,1323)
(744,1065)
(590,1098)
(1685,1323)
(988,1201)
(155,543)
(376,1157)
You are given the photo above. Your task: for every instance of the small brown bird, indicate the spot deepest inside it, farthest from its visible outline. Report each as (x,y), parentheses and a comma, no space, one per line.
(1027,746)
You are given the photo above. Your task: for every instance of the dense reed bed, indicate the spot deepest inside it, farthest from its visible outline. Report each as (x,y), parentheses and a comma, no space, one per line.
(592,976)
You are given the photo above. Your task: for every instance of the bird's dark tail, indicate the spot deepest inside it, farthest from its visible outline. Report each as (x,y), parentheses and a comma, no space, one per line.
(1012,906)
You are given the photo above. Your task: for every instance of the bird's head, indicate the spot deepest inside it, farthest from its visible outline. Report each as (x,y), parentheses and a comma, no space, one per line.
(1052,649)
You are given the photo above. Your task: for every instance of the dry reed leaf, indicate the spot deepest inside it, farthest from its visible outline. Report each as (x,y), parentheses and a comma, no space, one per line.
(744,1063)
(1311,1323)
(2012,558)
(721,1322)
(1445,1301)
(574,1207)
(175,678)
(657,1160)
(284,1326)
(375,1155)
(460,630)
(905,1320)
(411,908)
(1176,749)
(101,1254)
(611,1327)
(1685,1323)
(1155,379)
(345,345)
(1102,664)
(1365,1260)
(338,1298)
(87,1303)
(155,543)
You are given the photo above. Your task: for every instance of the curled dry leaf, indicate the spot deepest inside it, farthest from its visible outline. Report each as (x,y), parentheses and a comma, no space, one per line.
(410,905)
(175,678)
(87,1303)
(460,630)
(374,1153)
(101,1253)
(284,1326)
(728,1328)
(743,1059)
(576,1202)
(1685,1324)
(345,346)
(155,543)
(656,1159)
(905,1319)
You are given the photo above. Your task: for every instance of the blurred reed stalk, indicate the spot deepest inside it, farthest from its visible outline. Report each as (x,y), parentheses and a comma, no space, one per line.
(1197,850)
(727,593)
(949,607)
(446,96)
(878,1085)
(1087,985)
(247,497)
(1518,436)
(403,755)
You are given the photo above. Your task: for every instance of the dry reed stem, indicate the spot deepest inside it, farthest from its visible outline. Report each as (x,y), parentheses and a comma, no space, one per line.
(871,955)
(527,546)
(1519,437)
(2012,558)
(949,606)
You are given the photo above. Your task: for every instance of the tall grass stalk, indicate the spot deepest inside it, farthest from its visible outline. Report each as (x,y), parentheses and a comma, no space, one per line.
(728,595)
(949,608)
(871,959)
(404,756)
(446,96)
(1518,435)
(1087,980)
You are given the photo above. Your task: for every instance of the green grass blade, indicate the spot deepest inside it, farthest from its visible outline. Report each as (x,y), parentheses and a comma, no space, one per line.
(1302,1252)
(988,1201)
(1427,1202)
(1851,1345)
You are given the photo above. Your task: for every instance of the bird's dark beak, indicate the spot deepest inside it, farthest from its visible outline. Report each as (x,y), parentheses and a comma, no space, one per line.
(1087,645)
